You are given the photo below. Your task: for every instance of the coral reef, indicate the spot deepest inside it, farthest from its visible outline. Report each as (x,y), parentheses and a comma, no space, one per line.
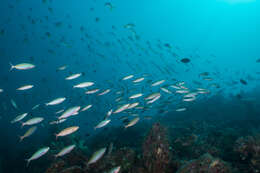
(205,164)
(156,153)
(249,151)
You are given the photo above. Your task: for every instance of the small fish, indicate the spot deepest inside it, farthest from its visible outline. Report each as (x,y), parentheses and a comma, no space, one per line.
(96,156)
(110,148)
(33,121)
(22,66)
(69,112)
(62,68)
(67,131)
(132,122)
(14,104)
(109,5)
(115,170)
(138,80)
(28,133)
(36,106)
(152,96)
(185,60)
(189,99)
(104,92)
(128,77)
(175,87)
(19,118)
(73,76)
(121,108)
(133,105)
(109,113)
(158,83)
(182,91)
(57,122)
(242,81)
(83,85)
(102,123)
(86,108)
(38,154)
(166,90)
(65,151)
(136,96)
(56,101)
(1,90)
(25,87)
(153,100)
(92,91)
(129,26)
(181,109)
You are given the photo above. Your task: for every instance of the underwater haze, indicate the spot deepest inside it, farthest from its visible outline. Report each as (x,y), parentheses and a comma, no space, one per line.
(146,86)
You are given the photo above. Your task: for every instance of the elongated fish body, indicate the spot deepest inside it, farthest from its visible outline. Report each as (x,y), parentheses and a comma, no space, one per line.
(102,123)
(74,76)
(182,91)
(14,104)
(133,122)
(136,96)
(189,99)
(96,156)
(138,80)
(22,66)
(92,91)
(36,106)
(19,118)
(67,131)
(181,109)
(133,105)
(175,87)
(60,111)
(25,87)
(69,112)
(62,68)
(38,154)
(115,170)
(154,99)
(33,121)
(28,133)
(83,85)
(104,92)
(128,77)
(152,96)
(166,90)
(57,122)
(56,101)
(122,108)
(86,108)
(65,151)
(158,83)
(109,113)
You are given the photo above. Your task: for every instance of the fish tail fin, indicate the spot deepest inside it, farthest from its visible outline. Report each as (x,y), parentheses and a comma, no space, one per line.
(28,162)
(12,66)
(21,138)
(56,136)
(22,124)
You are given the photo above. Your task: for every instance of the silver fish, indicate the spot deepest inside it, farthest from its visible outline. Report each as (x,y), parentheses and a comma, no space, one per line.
(102,123)
(22,66)
(65,151)
(38,154)
(96,156)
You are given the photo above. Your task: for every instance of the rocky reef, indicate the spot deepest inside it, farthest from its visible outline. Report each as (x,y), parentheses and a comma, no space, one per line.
(212,152)
(205,164)
(248,149)
(156,150)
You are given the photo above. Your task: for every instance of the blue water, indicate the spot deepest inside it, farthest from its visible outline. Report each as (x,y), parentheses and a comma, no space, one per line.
(217,36)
